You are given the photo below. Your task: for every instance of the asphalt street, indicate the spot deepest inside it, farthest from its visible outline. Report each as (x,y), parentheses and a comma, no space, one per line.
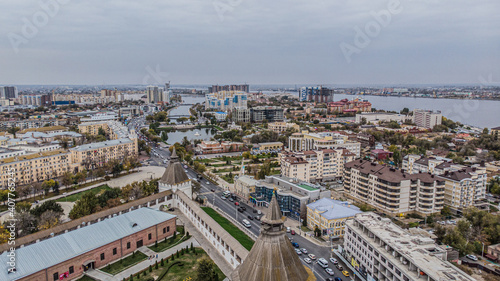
(159,156)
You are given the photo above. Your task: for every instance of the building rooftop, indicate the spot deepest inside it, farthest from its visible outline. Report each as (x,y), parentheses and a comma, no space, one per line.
(98,145)
(419,250)
(32,156)
(50,252)
(44,129)
(334,209)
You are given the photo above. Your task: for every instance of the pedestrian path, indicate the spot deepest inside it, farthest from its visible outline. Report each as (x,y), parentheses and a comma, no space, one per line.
(147,251)
(98,275)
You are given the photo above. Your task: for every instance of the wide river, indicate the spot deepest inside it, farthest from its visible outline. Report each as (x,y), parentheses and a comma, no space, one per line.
(479,113)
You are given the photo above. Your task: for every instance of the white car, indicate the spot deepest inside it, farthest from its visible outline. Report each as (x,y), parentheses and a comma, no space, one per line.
(207,182)
(307,260)
(329,271)
(333,260)
(471,257)
(298,252)
(288,229)
(303,250)
(311,256)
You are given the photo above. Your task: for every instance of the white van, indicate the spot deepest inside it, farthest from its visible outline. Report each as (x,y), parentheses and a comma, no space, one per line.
(226,193)
(246,223)
(323,263)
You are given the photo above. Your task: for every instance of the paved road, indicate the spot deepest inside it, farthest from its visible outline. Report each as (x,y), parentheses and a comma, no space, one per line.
(215,198)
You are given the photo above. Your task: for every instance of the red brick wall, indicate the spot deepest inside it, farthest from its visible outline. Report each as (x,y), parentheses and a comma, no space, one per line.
(77,262)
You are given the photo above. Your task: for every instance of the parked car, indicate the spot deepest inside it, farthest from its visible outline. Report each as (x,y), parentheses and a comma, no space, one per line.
(292,232)
(231,199)
(329,271)
(334,261)
(307,260)
(243,208)
(338,279)
(304,250)
(213,190)
(223,197)
(298,252)
(236,203)
(207,182)
(250,217)
(257,218)
(346,273)
(295,244)
(240,210)
(339,267)
(288,229)
(471,257)
(259,212)
(312,256)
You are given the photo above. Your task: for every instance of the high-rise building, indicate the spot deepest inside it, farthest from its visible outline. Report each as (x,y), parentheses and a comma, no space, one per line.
(269,113)
(155,94)
(226,100)
(316,94)
(8,92)
(427,118)
(216,88)
(324,140)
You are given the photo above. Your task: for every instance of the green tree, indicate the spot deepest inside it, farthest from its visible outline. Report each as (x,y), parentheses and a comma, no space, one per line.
(85,206)
(205,271)
(50,205)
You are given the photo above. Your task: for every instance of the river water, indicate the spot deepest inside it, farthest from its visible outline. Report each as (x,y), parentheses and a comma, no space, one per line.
(479,113)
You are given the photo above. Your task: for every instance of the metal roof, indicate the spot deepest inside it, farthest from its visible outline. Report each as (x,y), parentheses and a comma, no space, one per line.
(36,257)
(334,209)
(97,145)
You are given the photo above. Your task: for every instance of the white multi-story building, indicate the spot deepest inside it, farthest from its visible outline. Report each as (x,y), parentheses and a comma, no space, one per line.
(157,94)
(465,188)
(325,140)
(226,100)
(315,165)
(377,117)
(393,191)
(427,118)
(381,250)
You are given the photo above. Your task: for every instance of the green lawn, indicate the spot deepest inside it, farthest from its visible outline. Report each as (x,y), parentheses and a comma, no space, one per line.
(125,263)
(239,235)
(169,243)
(227,178)
(178,273)
(77,196)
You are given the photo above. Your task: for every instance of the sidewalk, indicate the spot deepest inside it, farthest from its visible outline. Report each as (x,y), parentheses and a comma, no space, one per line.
(144,264)
(224,266)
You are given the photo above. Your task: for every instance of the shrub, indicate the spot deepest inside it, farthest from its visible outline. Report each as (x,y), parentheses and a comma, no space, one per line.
(162,262)
(156,264)
(150,268)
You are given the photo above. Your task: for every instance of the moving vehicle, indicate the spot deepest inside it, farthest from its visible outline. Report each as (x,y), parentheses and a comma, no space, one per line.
(213,190)
(226,193)
(338,279)
(246,223)
(323,263)
(223,197)
(346,273)
(259,212)
(257,218)
(334,261)
(236,203)
(339,267)
(240,210)
(329,271)
(250,217)
(207,182)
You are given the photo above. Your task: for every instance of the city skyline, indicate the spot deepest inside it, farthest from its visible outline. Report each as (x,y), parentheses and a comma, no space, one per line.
(195,42)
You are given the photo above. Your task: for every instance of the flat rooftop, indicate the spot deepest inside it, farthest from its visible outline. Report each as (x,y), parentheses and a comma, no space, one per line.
(419,250)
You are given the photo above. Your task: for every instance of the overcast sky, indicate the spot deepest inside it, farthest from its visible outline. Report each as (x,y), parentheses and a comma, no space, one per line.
(253,41)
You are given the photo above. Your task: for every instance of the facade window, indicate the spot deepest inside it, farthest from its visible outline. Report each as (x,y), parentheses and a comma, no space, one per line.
(128,245)
(164,230)
(114,251)
(102,256)
(168,228)
(71,270)
(56,276)
(149,236)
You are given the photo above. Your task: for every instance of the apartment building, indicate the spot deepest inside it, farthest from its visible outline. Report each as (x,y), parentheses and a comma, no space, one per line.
(349,106)
(316,94)
(417,164)
(427,118)
(330,216)
(381,250)
(465,188)
(98,154)
(315,165)
(242,115)
(245,185)
(217,88)
(226,100)
(268,113)
(29,168)
(280,127)
(325,140)
(377,117)
(393,191)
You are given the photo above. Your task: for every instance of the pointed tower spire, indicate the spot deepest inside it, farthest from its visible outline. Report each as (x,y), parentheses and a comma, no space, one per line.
(273,215)
(174,155)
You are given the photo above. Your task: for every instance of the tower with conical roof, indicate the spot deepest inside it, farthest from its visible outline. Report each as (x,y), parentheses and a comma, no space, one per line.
(272,257)
(174,178)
